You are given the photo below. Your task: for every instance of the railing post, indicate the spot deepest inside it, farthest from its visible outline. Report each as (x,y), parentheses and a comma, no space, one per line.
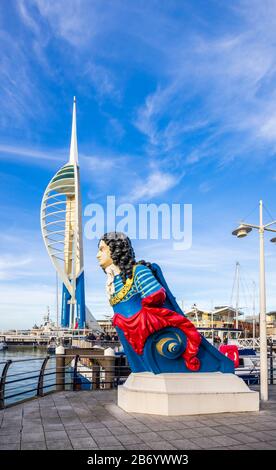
(60,368)
(95,376)
(271,361)
(41,377)
(76,385)
(3,383)
(109,356)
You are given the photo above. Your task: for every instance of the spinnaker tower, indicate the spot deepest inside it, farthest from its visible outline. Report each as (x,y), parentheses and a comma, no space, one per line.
(61,225)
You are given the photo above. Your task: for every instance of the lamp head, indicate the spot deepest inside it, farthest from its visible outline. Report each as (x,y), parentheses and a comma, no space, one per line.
(242,231)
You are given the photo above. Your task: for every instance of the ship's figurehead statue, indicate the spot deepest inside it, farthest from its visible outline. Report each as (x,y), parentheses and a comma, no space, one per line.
(155,334)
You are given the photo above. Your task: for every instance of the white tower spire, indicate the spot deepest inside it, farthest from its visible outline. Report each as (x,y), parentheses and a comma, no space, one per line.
(61,225)
(74,144)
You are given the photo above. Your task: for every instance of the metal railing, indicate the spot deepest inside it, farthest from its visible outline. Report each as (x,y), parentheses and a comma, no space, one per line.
(253,343)
(102,343)
(102,373)
(78,372)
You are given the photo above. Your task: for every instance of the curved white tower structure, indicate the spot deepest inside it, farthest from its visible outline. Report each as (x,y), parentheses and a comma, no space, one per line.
(61,227)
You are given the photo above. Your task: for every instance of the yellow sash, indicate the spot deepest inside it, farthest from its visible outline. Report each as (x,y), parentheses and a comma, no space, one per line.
(115,299)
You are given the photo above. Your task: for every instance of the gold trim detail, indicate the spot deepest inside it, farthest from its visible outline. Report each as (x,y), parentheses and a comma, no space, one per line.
(124,291)
(160,344)
(162,341)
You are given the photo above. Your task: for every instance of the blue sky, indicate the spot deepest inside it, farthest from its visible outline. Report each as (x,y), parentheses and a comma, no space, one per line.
(176,103)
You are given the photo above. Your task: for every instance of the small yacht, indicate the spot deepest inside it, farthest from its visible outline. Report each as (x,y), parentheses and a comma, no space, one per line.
(248,358)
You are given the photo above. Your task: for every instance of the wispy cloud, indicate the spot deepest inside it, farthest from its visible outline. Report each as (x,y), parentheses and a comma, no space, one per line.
(156,183)
(32,155)
(229,77)
(10,265)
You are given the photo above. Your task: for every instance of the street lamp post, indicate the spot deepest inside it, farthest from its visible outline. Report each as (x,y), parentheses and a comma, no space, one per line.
(240,232)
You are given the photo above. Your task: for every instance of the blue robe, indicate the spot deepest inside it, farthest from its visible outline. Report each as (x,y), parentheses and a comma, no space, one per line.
(145,284)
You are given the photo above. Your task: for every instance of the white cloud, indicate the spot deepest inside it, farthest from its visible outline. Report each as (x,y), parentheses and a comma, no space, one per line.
(231,77)
(31,154)
(156,183)
(9,266)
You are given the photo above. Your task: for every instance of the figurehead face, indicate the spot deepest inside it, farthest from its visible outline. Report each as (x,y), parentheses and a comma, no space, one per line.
(115,248)
(104,255)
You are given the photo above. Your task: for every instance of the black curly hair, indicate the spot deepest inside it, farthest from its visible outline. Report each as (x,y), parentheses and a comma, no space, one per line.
(122,253)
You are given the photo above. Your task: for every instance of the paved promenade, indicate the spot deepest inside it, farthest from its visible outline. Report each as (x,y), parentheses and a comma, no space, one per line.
(92,420)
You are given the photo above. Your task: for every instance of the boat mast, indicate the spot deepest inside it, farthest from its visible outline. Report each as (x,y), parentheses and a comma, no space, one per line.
(57,299)
(254,313)
(237,276)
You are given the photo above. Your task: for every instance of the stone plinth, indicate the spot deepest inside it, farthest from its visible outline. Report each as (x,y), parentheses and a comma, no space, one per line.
(186,394)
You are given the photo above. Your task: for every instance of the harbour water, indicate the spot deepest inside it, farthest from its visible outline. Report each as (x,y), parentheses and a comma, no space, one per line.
(26,365)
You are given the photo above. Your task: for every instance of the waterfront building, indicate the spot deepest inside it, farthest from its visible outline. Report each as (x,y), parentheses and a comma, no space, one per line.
(107,326)
(219,317)
(271,324)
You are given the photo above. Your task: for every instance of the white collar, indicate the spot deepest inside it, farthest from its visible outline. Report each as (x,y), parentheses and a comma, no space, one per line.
(111,272)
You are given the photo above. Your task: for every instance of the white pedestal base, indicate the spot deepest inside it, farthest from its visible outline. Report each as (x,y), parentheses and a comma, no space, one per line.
(186,394)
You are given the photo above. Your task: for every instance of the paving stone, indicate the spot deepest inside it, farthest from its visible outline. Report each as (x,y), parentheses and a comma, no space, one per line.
(59,445)
(262,446)
(246,438)
(222,429)
(188,433)
(72,433)
(137,447)
(261,426)
(149,436)
(49,415)
(138,428)
(112,447)
(94,425)
(53,427)
(221,448)
(185,444)
(33,445)
(271,433)
(51,421)
(9,430)
(109,423)
(10,438)
(177,426)
(87,420)
(106,440)
(242,428)
(100,432)
(161,445)
(32,437)
(84,443)
(169,435)
(261,435)
(226,441)
(208,432)
(204,442)
(239,447)
(119,430)
(32,422)
(208,422)
(10,446)
(55,435)
(130,439)
(194,424)
(132,423)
